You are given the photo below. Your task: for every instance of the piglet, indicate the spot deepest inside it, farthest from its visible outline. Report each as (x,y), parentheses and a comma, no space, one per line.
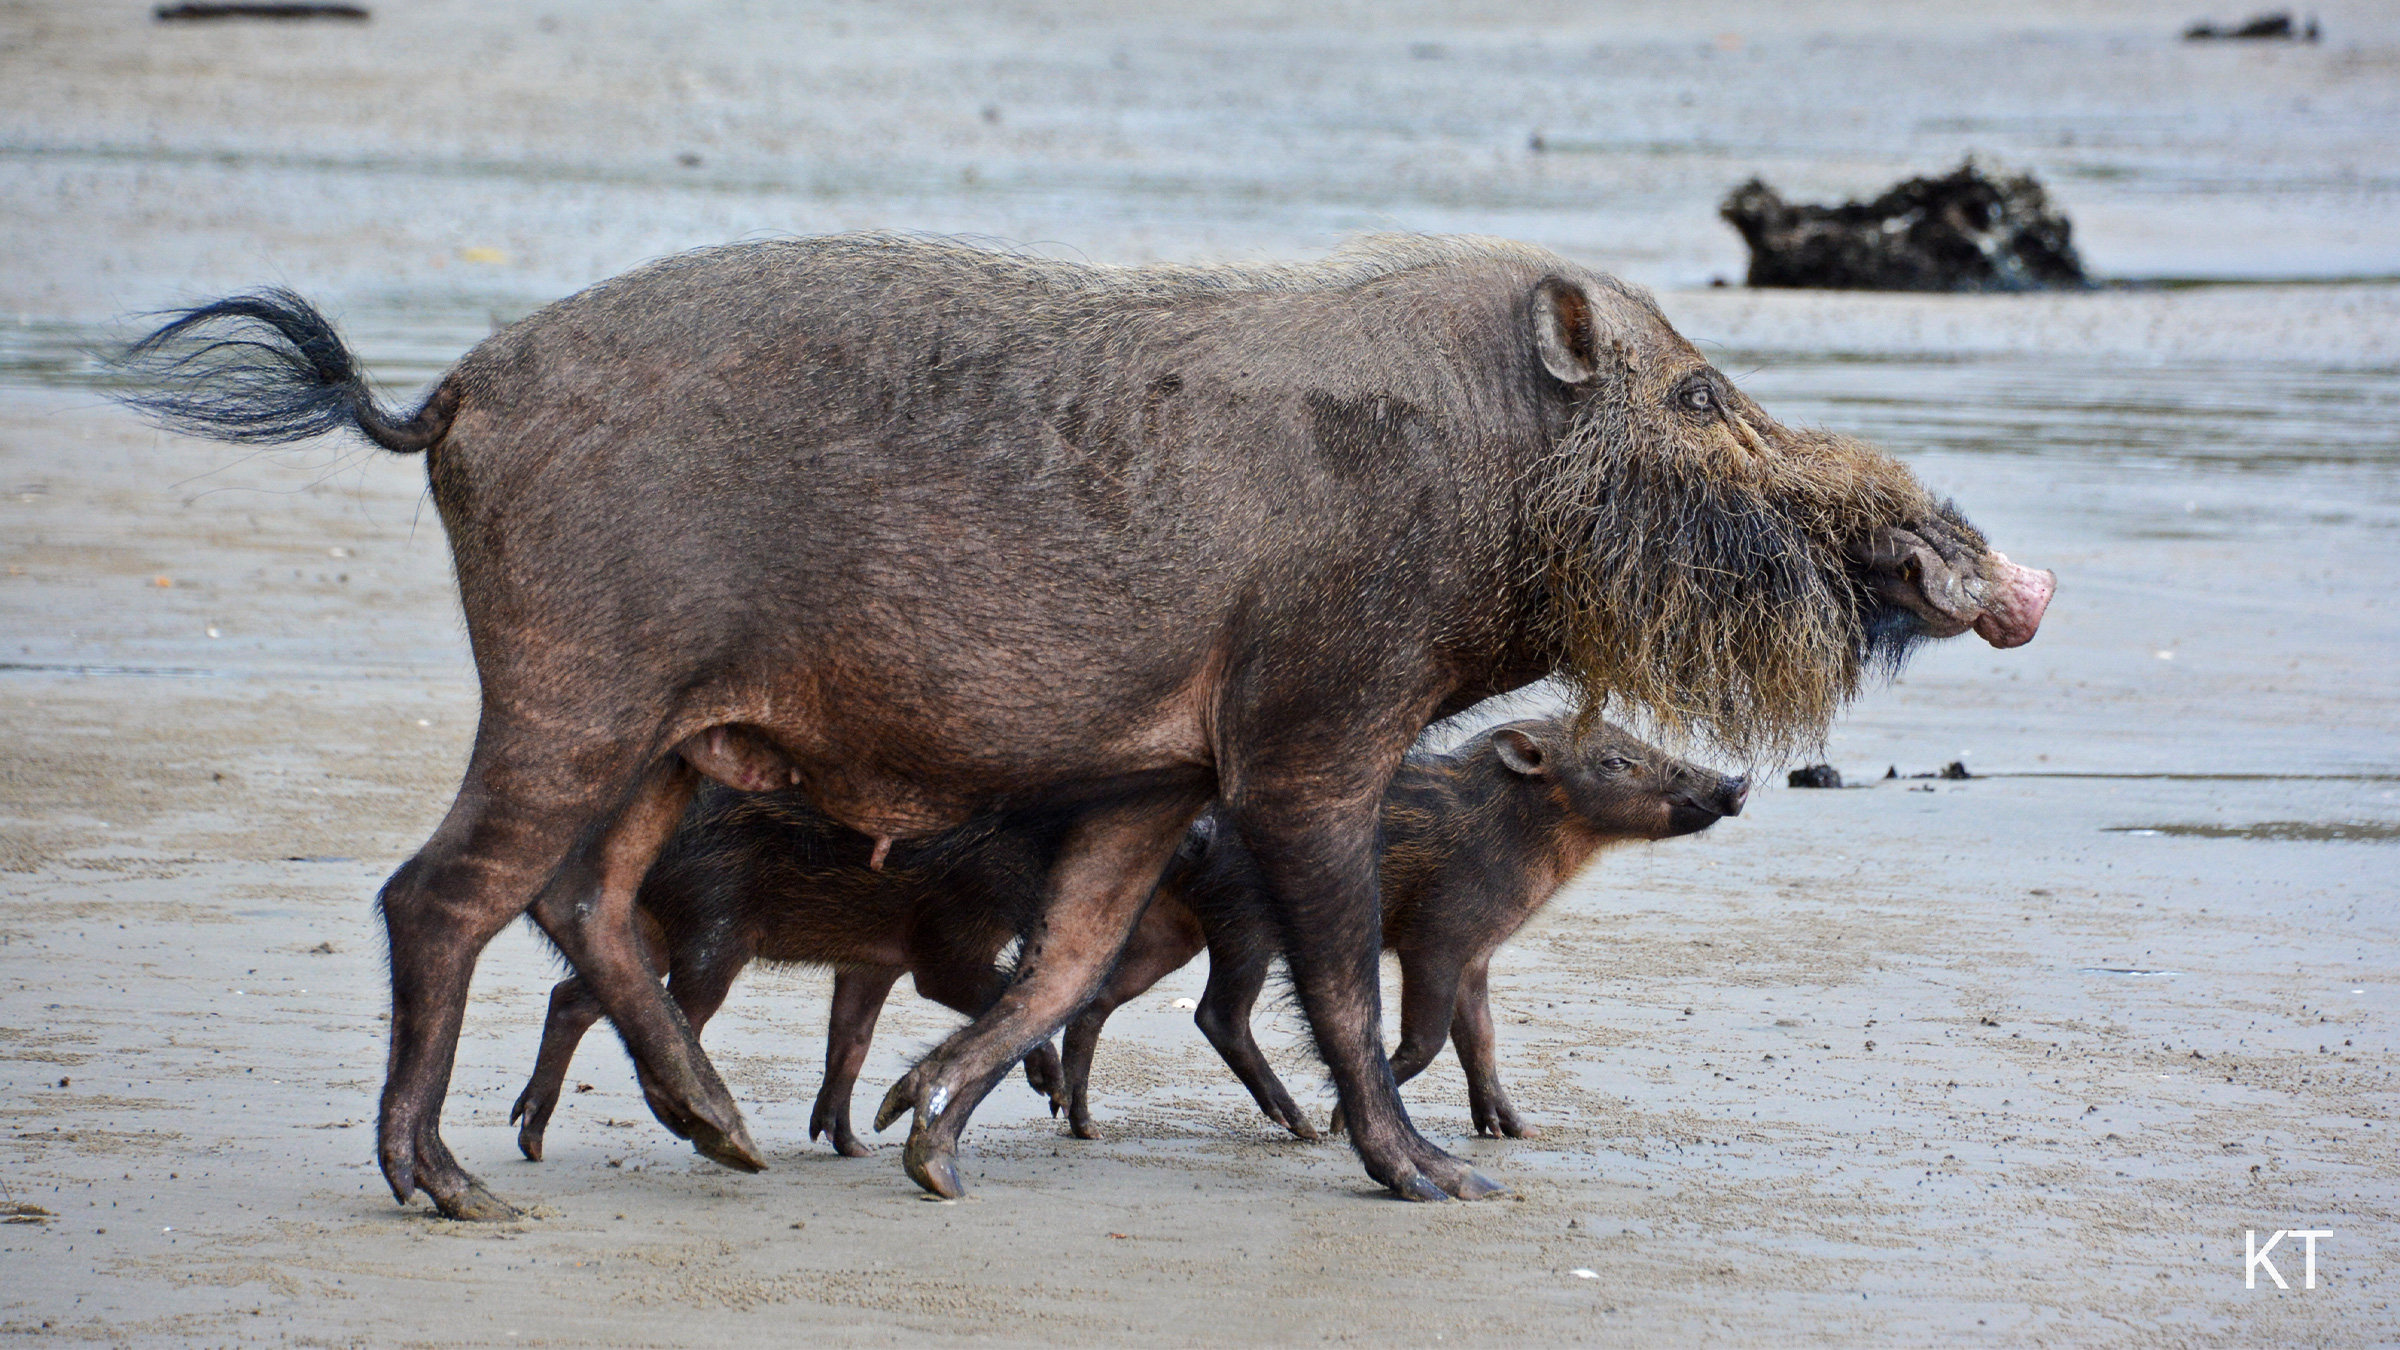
(1475,842)
(765,876)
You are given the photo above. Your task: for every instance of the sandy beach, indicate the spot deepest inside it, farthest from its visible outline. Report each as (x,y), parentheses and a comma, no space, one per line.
(2018,1059)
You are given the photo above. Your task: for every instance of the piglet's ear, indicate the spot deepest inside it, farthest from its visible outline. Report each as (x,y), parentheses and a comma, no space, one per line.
(1564,331)
(1521,753)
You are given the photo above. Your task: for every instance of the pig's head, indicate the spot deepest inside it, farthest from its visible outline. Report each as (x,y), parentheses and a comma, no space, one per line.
(1717,571)
(1612,783)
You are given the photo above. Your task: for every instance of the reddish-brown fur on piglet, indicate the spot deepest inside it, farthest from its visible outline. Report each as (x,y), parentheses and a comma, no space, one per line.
(1476,841)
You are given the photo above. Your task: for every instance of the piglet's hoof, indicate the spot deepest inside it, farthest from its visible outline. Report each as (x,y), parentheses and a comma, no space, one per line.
(931,1165)
(833,1119)
(732,1148)
(1043,1075)
(1297,1120)
(536,1118)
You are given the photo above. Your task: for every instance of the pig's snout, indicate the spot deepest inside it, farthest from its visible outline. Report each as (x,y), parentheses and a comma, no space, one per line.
(2013,603)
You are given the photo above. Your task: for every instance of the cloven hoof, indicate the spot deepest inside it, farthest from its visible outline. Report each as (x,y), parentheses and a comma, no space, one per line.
(935,1169)
(733,1149)
(477,1204)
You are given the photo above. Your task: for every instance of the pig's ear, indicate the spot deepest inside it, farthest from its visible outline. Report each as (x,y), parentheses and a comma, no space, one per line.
(1521,753)
(1566,331)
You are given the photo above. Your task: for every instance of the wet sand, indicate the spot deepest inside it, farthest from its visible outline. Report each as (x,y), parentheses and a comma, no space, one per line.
(2013,1060)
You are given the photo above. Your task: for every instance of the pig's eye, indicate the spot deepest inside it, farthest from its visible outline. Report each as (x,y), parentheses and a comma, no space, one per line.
(1696,396)
(1616,765)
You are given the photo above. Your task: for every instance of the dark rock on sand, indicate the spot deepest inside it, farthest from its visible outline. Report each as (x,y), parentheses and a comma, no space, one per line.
(2276,26)
(1954,770)
(190,13)
(1815,776)
(1964,231)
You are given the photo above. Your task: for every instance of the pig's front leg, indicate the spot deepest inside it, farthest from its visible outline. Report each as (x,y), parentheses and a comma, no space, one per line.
(1471,1031)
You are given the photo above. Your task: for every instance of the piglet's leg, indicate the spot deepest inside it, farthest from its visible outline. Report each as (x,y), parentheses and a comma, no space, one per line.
(1471,1031)
(858,994)
(1103,876)
(1168,938)
(1236,974)
(572,1012)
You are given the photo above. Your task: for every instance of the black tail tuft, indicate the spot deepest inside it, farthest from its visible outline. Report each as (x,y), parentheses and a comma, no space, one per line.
(264,369)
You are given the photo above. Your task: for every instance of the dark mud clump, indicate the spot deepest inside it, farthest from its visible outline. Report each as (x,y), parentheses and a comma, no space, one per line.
(1964,231)
(2274,27)
(1814,776)
(195,12)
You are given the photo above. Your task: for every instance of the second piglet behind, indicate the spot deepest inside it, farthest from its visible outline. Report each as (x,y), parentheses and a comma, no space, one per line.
(1475,842)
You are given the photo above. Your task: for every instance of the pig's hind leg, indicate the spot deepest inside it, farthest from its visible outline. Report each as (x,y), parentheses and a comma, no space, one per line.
(1105,871)
(573,1009)
(588,910)
(529,816)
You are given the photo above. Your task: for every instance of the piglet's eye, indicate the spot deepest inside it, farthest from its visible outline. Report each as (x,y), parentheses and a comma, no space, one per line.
(1615,765)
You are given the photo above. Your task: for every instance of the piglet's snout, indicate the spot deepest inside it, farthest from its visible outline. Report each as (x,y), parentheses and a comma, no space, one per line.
(1731,793)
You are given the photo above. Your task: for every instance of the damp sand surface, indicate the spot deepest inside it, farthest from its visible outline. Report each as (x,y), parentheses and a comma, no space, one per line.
(2015,1059)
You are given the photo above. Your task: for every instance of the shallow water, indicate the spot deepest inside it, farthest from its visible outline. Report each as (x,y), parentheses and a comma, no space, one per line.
(545,149)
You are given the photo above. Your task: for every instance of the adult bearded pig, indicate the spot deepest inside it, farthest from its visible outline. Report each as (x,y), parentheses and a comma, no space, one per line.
(941,534)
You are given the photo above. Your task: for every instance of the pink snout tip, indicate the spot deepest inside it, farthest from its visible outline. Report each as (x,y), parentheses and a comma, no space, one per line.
(2013,606)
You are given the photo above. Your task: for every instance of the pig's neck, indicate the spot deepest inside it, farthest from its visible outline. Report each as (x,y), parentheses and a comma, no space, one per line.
(1515,828)
(1565,843)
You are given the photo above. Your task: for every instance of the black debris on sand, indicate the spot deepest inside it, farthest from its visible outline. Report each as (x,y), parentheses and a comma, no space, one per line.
(188,13)
(1954,770)
(1814,776)
(1964,231)
(2274,27)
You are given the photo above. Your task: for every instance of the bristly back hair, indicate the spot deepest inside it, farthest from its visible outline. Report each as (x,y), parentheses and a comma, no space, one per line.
(1358,260)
